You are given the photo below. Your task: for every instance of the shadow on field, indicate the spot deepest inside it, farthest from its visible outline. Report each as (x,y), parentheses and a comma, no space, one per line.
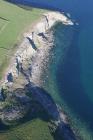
(36,109)
(52,112)
(25,7)
(4,48)
(21,5)
(4,19)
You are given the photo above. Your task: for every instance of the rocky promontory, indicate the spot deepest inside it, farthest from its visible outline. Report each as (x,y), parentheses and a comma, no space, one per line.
(25,72)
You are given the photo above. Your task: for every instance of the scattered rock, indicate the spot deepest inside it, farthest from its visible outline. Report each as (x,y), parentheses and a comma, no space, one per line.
(42,38)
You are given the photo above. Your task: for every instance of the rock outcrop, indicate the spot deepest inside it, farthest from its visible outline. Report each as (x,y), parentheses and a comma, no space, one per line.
(61,123)
(27,67)
(34,40)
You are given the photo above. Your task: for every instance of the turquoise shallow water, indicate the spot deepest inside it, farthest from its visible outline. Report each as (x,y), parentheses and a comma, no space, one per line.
(66,82)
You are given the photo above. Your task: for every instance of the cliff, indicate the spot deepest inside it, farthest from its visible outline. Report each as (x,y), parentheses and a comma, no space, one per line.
(25,72)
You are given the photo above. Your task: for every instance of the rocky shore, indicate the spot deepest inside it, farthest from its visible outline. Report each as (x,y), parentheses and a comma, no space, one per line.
(26,71)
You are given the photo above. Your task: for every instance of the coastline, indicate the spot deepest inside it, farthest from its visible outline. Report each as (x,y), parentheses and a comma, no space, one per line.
(21,39)
(24,44)
(32,60)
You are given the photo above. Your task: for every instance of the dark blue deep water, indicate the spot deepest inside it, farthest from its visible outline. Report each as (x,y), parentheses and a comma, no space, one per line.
(70,72)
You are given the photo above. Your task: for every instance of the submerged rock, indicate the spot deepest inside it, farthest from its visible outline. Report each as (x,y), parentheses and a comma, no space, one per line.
(63,128)
(64,131)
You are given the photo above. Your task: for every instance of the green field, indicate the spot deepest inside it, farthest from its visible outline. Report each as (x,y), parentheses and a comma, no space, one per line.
(32,130)
(14,20)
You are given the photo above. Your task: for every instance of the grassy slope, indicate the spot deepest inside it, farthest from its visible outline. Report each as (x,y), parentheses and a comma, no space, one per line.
(33,130)
(13,21)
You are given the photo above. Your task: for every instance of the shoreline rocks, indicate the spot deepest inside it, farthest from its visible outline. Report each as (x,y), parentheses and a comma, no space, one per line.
(29,63)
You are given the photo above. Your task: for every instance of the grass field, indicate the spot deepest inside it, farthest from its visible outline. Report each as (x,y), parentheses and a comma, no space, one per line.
(13,22)
(32,130)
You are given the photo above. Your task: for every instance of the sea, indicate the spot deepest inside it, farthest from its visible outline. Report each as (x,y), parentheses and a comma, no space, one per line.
(69,76)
